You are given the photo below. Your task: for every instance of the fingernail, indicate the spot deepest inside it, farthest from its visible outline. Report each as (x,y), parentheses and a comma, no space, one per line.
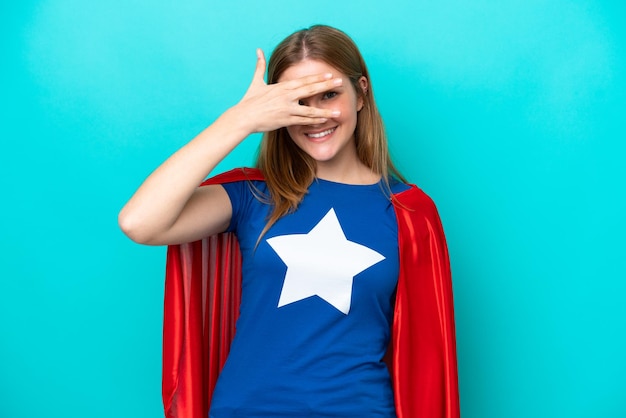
(328,76)
(336,113)
(337,81)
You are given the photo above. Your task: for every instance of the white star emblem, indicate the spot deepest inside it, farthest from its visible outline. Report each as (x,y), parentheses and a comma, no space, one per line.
(322,262)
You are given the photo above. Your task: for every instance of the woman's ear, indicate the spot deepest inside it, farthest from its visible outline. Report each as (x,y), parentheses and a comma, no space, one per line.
(360,100)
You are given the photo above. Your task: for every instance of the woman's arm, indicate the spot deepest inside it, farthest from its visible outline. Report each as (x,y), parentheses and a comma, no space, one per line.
(170,208)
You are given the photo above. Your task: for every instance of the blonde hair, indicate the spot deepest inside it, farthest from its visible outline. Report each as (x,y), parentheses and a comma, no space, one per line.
(288,170)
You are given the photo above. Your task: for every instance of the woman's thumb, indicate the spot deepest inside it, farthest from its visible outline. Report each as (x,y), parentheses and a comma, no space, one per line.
(259,72)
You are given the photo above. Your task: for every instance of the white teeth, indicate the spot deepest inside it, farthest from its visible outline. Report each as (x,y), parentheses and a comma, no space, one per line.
(321,134)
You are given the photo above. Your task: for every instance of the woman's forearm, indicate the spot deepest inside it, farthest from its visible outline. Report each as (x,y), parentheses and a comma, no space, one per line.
(159,201)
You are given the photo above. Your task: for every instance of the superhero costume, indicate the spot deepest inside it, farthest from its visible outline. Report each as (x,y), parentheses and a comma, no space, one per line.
(202,300)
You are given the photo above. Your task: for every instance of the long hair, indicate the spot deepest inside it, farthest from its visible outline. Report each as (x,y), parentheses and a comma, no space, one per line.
(287,169)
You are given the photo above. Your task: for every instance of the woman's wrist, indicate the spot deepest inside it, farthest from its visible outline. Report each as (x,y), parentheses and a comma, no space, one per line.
(238,121)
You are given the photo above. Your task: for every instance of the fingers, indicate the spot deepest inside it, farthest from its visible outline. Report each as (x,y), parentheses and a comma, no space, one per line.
(316,112)
(312,85)
(324,80)
(259,71)
(307,115)
(307,121)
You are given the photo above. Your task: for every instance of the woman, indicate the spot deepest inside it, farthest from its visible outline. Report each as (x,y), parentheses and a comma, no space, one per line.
(341,258)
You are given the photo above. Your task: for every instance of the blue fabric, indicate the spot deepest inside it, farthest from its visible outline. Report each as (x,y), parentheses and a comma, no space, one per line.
(307,358)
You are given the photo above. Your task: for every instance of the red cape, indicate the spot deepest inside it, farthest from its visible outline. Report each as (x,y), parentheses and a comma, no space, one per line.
(202,295)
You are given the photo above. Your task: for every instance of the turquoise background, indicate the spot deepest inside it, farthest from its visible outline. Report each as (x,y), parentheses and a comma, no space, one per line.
(509,114)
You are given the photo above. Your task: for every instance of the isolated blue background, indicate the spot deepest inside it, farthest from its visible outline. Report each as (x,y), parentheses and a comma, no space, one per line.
(510,114)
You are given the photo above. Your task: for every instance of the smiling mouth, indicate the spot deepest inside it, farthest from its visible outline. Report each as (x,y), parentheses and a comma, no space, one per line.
(322,134)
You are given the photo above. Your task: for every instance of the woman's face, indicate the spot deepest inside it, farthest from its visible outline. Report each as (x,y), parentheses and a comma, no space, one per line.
(331,142)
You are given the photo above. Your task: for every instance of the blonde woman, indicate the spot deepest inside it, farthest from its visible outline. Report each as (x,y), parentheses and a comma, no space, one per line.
(333,269)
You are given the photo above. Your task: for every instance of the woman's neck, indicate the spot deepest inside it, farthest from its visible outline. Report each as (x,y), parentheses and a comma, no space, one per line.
(357,173)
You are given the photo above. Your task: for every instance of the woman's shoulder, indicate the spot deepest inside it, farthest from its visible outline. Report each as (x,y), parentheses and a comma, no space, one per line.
(412,197)
(398,186)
